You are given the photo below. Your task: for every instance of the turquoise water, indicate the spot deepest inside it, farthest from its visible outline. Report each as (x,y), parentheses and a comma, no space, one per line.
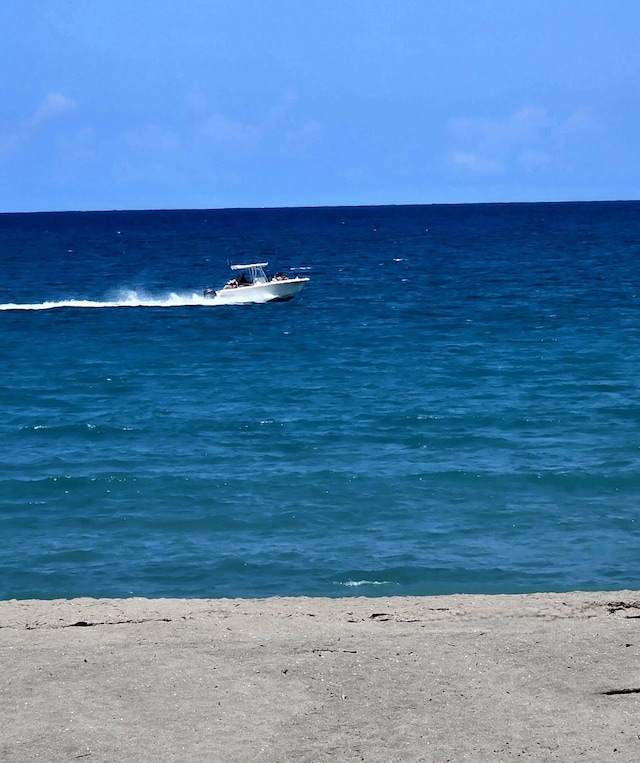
(451,404)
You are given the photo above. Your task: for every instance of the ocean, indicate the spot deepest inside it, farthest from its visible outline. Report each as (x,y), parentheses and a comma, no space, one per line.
(452,403)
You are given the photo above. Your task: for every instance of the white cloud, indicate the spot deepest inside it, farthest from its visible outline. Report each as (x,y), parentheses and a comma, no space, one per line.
(279,128)
(19,134)
(476,163)
(529,139)
(220,129)
(52,105)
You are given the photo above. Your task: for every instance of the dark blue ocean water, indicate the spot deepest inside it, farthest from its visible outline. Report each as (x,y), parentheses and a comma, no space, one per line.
(451,405)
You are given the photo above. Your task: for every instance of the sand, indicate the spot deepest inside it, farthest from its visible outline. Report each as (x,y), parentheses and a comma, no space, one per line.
(540,677)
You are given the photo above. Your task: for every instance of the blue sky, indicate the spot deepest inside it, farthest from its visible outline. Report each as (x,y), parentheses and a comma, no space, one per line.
(138,104)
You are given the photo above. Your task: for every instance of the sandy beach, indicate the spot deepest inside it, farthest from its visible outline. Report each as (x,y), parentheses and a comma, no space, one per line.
(537,677)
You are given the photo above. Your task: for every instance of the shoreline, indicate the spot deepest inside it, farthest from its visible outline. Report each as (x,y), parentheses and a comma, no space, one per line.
(57,613)
(545,676)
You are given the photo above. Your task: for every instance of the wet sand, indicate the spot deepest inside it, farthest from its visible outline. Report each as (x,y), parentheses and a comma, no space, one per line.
(539,677)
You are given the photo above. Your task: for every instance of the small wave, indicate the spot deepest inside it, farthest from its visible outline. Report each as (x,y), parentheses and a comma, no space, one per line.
(357,583)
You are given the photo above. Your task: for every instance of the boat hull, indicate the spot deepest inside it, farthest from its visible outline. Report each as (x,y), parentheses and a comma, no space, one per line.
(273,291)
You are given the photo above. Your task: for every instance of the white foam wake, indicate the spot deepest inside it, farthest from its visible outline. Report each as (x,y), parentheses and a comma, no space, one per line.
(127,298)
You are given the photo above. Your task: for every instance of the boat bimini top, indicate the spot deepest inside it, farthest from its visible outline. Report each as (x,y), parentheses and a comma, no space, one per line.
(248,267)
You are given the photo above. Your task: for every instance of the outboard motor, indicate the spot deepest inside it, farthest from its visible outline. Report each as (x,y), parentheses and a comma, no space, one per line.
(209,292)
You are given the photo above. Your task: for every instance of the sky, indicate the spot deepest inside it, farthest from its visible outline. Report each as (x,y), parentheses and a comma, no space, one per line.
(173,104)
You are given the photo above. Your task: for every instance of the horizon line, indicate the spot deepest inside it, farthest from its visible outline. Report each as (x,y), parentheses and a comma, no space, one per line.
(312,206)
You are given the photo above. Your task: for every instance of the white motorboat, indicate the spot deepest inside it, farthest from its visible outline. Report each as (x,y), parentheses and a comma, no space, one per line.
(252,284)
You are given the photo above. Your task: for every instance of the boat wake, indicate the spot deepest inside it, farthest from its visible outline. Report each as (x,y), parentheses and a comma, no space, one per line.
(128,298)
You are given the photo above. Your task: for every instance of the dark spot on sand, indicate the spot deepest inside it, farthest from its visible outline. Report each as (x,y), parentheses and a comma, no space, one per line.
(611,692)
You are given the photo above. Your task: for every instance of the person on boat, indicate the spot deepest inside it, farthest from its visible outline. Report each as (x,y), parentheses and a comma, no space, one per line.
(243,280)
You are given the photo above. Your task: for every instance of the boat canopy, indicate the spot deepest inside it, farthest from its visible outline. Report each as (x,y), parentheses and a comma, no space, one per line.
(248,267)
